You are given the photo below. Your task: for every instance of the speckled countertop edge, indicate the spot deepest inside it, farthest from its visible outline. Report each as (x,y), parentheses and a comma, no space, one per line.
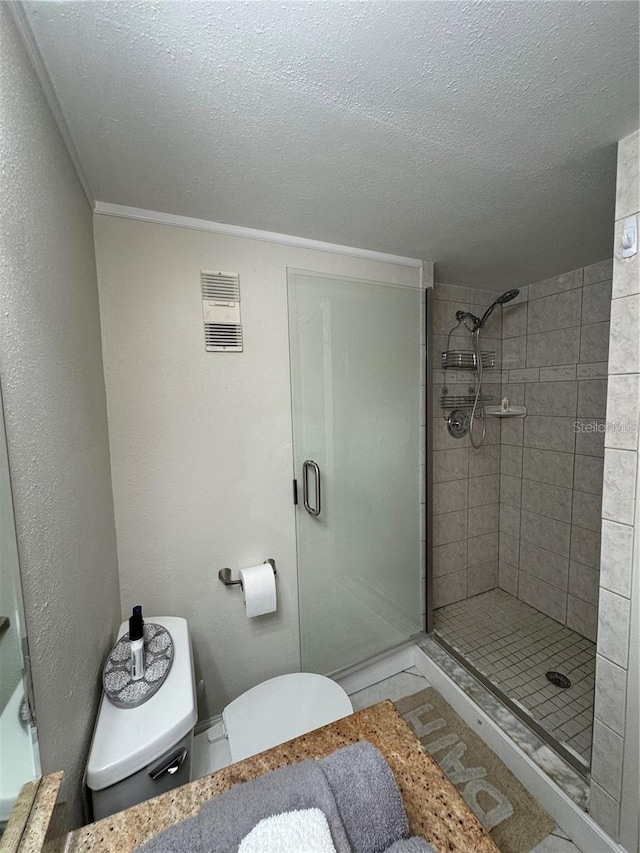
(34,834)
(435,809)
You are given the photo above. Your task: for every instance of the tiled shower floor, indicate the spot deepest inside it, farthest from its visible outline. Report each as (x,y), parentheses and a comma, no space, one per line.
(513,645)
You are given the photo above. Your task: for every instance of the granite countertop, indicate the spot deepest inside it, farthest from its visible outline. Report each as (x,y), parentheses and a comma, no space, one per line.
(435,809)
(28,826)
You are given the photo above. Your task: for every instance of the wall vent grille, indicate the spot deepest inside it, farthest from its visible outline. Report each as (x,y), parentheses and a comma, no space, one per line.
(221,311)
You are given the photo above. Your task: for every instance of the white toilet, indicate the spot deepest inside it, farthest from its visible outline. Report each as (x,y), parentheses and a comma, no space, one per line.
(138,753)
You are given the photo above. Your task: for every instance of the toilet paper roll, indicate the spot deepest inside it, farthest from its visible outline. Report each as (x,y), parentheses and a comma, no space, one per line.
(259,589)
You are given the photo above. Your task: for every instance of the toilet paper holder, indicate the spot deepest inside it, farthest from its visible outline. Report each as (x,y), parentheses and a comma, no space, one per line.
(225,574)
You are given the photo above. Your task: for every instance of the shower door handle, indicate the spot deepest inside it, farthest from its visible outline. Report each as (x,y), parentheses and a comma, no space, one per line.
(310,464)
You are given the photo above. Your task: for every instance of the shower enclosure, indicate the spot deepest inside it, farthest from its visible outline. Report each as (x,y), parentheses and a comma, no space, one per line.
(519,394)
(357,373)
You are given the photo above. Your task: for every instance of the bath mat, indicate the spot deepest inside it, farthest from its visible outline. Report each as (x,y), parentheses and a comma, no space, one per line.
(504,807)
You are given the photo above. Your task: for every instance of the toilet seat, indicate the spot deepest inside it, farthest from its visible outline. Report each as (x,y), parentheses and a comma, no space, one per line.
(280,709)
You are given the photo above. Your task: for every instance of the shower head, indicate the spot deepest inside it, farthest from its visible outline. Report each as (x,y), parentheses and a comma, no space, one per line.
(507,297)
(501,300)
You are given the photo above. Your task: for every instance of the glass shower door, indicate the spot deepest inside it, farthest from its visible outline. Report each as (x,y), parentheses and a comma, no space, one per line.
(355,364)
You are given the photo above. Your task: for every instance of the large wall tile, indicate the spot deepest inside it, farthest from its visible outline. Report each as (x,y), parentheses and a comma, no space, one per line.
(509,549)
(551,348)
(606,761)
(590,437)
(611,694)
(623,402)
(585,546)
(588,474)
(509,520)
(484,460)
(511,460)
(540,563)
(626,271)
(552,398)
(584,583)
(594,343)
(451,292)
(592,398)
(450,588)
(544,499)
(525,374)
(596,370)
(624,356)
(582,617)
(602,271)
(548,466)
(627,185)
(484,490)
(558,373)
(510,490)
(448,497)
(613,627)
(616,562)
(514,392)
(604,810)
(559,311)
(508,578)
(482,578)
(450,558)
(514,320)
(586,510)
(549,433)
(482,549)
(545,532)
(618,503)
(514,352)
(596,303)
(449,527)
(483,519)
(536,593)
(450,465)
(566,281)
(512,431)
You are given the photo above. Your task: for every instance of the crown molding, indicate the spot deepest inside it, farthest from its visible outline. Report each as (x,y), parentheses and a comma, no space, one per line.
(106,209)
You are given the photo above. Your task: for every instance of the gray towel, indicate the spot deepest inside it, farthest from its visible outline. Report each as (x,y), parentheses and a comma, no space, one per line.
(411,845)
(225,820)
(368,798)
(354,787)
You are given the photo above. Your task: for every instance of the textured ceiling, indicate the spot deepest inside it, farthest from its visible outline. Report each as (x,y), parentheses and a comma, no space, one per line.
(478,135)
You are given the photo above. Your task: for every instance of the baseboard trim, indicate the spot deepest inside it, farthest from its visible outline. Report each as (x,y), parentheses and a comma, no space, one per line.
(581,828)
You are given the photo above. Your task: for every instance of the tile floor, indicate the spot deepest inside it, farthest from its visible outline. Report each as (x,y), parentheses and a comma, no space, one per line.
(411,681)
(513,645)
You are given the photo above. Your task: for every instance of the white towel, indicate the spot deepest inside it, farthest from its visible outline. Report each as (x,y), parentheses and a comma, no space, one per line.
(301,831)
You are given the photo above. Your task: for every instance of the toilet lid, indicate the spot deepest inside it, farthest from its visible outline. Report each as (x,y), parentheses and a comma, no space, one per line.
(280,709)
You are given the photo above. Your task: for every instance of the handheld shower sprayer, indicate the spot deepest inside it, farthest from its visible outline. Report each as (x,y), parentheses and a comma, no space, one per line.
(478,323)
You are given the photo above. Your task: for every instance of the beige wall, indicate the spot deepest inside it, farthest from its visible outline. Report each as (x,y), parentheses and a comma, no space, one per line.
(53,387)
(201,442)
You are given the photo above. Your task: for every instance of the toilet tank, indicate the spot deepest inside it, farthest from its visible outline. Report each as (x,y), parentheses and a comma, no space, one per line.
(138,753)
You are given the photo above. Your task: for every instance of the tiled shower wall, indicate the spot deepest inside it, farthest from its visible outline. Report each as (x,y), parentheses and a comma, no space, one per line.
(615,775)
(554,360)
(466,482)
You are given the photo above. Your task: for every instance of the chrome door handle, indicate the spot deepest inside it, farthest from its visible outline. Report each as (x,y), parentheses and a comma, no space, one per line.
(305,487)
(170,765)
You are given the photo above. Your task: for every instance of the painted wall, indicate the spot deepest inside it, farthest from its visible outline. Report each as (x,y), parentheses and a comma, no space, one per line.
(554,358)
(466,481)
(616,756)
(53,387)
(201,442)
